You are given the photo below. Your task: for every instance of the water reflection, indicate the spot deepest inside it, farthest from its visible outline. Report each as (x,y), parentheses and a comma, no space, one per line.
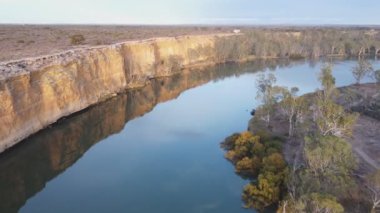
(26,168)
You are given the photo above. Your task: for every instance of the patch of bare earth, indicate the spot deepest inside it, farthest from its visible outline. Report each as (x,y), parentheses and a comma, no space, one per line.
(364,99)
(366,143)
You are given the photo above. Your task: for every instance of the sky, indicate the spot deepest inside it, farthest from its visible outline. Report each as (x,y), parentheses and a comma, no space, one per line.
(213,12)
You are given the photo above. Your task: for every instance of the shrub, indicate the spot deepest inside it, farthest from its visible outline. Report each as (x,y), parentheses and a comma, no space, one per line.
(77,39)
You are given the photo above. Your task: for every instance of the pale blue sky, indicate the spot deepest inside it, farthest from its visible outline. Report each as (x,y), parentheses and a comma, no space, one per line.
(252,12)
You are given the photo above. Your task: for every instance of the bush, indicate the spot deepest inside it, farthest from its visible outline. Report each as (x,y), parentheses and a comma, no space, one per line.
(77,39)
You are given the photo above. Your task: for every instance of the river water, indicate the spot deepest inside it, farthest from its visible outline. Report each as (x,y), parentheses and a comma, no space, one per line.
(154,149)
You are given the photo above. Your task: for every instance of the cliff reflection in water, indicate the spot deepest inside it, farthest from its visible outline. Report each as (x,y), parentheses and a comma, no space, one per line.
(26,168)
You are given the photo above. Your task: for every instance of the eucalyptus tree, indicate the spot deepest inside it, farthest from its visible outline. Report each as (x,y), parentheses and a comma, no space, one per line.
(293,107)
(362,69)
(372,183)
(331,118)
(268,94)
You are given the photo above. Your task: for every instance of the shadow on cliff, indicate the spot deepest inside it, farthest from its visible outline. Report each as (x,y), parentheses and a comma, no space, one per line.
(27,167)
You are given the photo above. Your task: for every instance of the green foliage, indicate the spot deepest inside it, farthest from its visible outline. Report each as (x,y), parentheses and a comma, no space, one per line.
(241,145)
(77,39)
(331,118)
(244,145)
(328,82)
(257,158)
(272,146)
(273,163)
(263,194)
(313,202)
(297,44)
(293,107)
(330,163)
(362,69)
(268,94)
(244,164)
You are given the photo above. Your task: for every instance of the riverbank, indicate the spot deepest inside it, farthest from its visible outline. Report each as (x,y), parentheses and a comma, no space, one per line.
(364,142)
(364,99)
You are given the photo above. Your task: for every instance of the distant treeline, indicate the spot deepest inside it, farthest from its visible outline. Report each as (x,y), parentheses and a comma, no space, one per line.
(302,43)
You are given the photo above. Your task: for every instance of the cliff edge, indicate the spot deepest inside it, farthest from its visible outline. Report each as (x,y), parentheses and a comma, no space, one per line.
(36,92)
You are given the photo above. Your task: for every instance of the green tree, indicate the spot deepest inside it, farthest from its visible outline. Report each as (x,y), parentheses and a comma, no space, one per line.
(274,163)
(330,162)
(362,69)
(77,39)
(265,193)
(267,189)
(293,107)
(242,145)
(267,94)
(314,202)
(331,118)
(327,80)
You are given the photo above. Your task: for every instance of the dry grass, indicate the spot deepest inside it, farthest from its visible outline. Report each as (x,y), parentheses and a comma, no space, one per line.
(20,41)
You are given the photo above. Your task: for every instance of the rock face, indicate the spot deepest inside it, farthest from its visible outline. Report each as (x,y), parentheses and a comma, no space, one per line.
(36,92)
(26,169)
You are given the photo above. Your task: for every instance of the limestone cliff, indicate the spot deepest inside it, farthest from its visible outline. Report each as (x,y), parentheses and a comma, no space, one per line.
(26,169)
(36,92)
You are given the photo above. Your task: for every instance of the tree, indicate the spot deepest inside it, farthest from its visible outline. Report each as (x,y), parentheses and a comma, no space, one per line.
(362,69)
(265,193)
(330,163)
(267,190)
(314,202)
(293,107)
(242,145)
(328,82)
(274,163)
(244,164)
(372,183)
(77,39)
(266,92)
(331,118)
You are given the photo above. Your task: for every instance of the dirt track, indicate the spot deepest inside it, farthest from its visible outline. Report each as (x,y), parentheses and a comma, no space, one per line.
(366,141)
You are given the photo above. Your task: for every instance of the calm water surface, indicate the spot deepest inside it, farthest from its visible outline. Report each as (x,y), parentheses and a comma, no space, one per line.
(155,149)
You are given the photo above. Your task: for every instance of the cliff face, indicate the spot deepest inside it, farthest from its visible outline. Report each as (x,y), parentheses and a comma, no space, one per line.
(35,93)
(26,169)
(24,173)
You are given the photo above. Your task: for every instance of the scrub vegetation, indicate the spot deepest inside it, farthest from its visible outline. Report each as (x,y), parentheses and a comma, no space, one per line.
(299,43)
(321,174)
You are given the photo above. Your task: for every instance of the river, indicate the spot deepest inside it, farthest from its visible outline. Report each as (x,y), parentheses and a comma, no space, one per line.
(154,149)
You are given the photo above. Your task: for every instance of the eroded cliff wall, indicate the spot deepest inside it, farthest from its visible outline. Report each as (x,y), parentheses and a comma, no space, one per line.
(36,92)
